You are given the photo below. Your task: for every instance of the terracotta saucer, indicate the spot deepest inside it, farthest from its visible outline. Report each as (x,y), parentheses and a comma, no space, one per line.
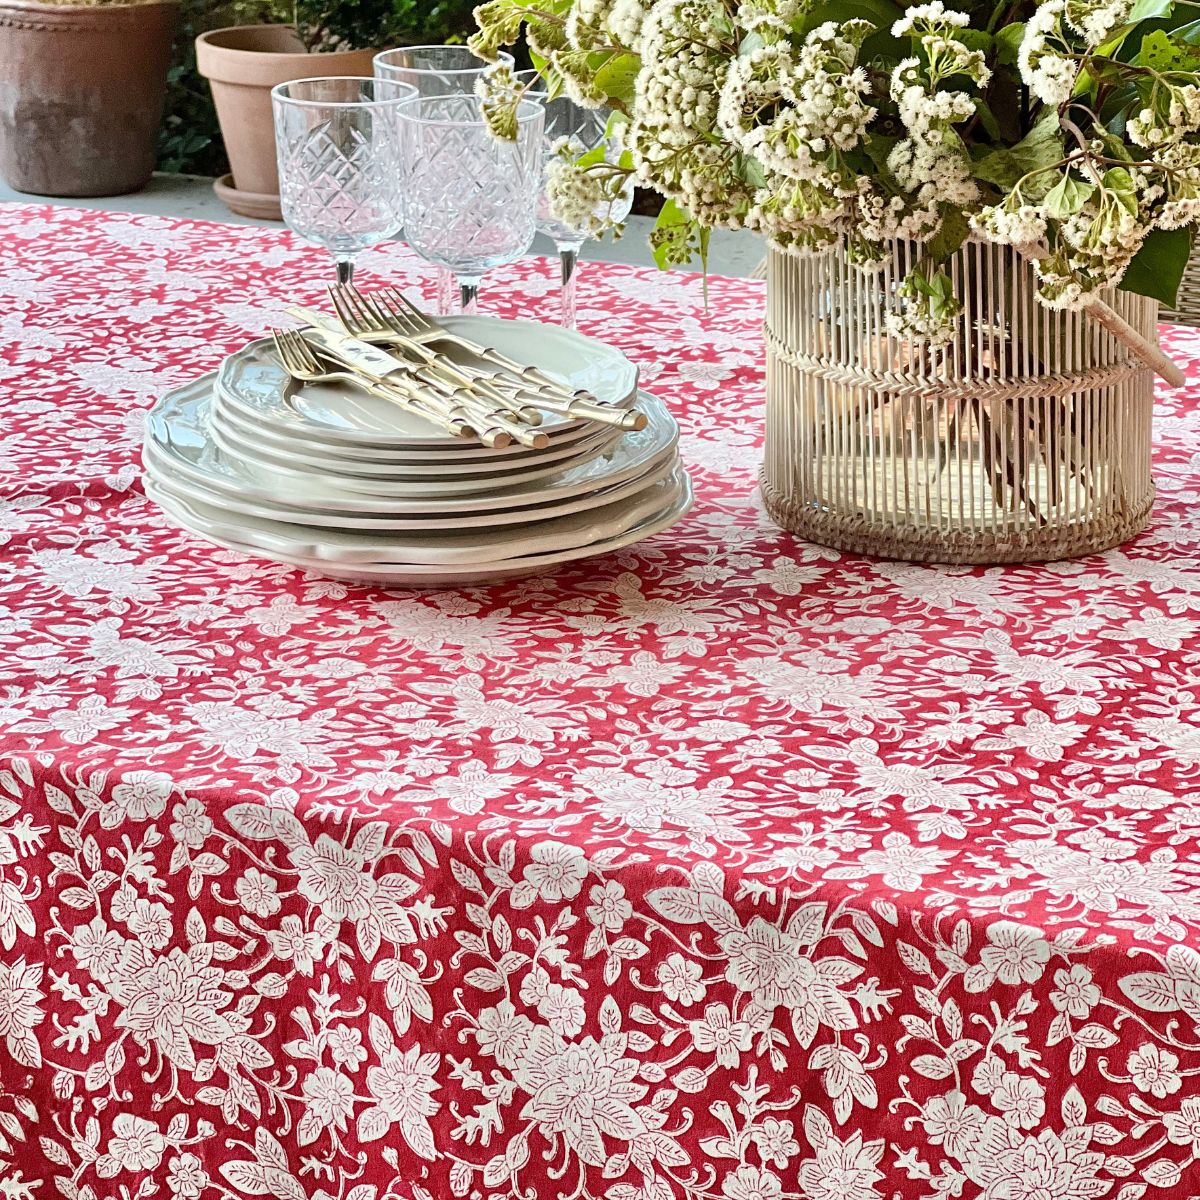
(247,204)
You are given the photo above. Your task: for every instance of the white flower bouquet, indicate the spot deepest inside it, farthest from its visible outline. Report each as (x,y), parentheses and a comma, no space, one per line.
(1068,129)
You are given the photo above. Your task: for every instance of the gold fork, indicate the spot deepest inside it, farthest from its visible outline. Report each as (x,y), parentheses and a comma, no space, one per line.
(301,362)
(392,312)
(362,318)
(330,340)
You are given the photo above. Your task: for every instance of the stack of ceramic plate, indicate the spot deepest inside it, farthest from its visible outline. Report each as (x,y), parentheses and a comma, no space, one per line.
(332,479)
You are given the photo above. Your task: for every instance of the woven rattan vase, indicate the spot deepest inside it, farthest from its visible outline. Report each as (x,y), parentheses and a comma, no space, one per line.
(1026,438)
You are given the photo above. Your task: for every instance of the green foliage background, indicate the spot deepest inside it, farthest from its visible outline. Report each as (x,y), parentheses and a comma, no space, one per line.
(190,141)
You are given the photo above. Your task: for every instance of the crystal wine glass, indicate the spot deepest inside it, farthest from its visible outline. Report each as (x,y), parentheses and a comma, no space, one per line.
(470,199)
(338,144)
(587,128)
(436,71)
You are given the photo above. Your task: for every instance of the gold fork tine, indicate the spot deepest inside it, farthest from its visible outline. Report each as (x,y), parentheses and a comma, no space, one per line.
(380,314)
(419,318)
(396,304)
(303,351)
(293,352)
(362,310)
(342,310)
(348,304)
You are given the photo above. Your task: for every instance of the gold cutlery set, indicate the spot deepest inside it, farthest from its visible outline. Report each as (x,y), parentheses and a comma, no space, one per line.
(383,345)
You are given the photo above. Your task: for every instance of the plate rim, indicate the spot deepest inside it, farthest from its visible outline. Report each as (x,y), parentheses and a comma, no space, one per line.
(356,438)
(367,504)
(654,525)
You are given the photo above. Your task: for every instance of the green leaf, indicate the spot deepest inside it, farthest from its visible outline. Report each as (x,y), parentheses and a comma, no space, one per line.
(617,77)
(1161,52)
(597,154)
(883,14)
(674,236)
(1149,10)
(987,119)
(750,169)
(879,147)
(1040,149)
(1008,42)
(1143,10)
(751,42)
(1067,197)
(1157,268)
(954,230)
(1118,181)
(976,39)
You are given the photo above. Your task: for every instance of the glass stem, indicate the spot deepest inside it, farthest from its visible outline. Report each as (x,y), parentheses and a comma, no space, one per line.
(468,293)
(445,291)
(569,257)
(345,271)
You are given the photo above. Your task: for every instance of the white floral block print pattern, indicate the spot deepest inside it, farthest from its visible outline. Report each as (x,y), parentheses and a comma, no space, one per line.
(722,868)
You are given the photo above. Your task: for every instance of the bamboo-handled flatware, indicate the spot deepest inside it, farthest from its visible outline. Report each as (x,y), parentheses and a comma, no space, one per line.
(363,319)
(386,315)
(300,359)
(358,355)
(488,418)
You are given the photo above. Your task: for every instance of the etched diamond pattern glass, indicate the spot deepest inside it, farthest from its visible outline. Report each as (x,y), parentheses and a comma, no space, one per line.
(470,199)
(435,70)
(338,147)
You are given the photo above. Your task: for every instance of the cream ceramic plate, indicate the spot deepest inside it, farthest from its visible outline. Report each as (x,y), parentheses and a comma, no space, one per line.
(177,436)
(253,383)
(407,575)
(358,475)
(173,481)
(438,549)
(463,456)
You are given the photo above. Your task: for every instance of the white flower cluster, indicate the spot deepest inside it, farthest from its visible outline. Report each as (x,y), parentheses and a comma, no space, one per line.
(603,24)
(793,117)
(920,18)
(1045,69)
(591,199)
(500,93)
(797,115)
(1096,22)
(931,164)
(927,311)
(764,15)
(684,63)
(1013,223)
(1173,113)
(746,118)
(1179,189)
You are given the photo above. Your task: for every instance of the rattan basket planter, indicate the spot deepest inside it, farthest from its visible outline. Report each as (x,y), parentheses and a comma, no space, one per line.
(1026,439)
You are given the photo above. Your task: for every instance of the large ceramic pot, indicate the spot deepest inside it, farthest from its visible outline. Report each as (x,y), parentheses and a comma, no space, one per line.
(1026,437)
(81,95)
(242,64)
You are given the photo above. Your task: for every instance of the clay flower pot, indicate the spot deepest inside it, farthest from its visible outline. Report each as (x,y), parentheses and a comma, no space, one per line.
(242,64)
(81,95)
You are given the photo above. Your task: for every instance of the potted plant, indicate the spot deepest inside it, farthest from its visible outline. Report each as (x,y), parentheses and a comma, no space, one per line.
(972,208)
(81,93)
(242,65)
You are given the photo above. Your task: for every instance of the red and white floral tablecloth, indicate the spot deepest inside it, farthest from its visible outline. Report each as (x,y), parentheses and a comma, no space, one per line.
(723,868)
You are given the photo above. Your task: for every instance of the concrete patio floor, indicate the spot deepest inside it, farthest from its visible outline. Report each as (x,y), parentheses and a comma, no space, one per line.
(192,196)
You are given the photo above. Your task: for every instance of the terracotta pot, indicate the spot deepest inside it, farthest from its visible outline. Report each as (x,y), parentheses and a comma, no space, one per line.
(81,95)
(242,64)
